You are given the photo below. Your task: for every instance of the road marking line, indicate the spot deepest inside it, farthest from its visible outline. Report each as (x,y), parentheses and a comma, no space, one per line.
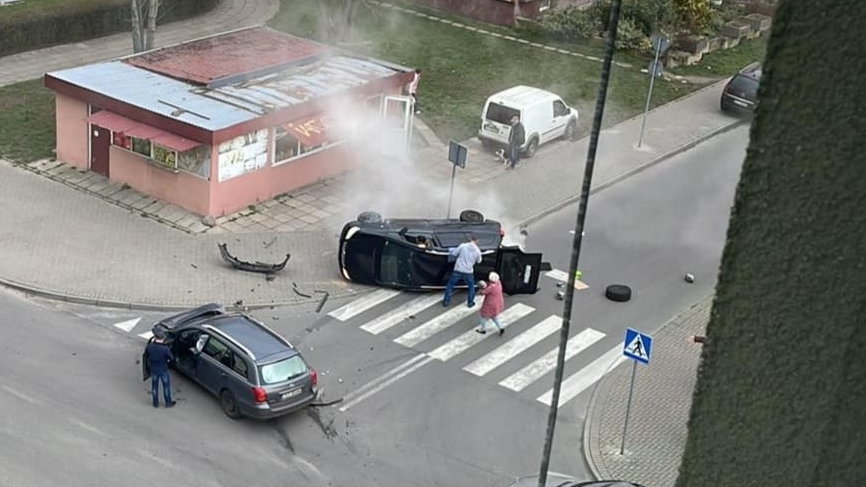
(128,325)
(384,376)
(470,338)
(406,310)
(362,304)
(585,377)
(563,276)
(437,324)
(543,365)
(146,335)
(385,380)
(509,350)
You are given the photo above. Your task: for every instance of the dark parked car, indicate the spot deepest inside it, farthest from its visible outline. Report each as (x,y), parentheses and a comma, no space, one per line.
(741,92)
(412,254)
(251,369)
(560,480)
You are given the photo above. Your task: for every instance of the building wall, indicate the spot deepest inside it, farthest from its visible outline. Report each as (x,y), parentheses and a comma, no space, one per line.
(781,391)
(72,131)
(182,189)
(239,192)
(492,11)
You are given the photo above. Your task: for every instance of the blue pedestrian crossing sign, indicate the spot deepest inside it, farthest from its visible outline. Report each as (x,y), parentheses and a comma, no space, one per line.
(637,346)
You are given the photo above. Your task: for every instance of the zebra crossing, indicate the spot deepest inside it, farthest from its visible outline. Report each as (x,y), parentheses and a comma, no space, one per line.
(444,334)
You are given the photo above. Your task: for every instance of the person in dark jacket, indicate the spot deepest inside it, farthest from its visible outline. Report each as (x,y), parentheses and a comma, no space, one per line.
(516,138)
(158,357)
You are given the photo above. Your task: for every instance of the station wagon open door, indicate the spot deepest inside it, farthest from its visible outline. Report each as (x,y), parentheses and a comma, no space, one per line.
(518,271)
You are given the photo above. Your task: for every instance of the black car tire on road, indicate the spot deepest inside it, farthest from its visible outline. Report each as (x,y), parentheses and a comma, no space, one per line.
(471,216)
(618,292)
(229,404)
(370,217)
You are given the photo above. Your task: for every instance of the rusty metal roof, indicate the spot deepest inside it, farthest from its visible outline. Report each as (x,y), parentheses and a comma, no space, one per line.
(230,100)
(204,61)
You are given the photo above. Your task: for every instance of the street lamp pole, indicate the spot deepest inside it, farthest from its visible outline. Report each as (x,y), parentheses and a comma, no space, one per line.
(578,236)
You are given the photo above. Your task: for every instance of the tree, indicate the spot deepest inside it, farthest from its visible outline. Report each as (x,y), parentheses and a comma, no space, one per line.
(144,14)
(693,15)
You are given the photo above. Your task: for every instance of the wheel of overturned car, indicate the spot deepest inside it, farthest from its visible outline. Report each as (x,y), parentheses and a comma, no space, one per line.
(471,216)
(370,217)
(618,292)
(229,404)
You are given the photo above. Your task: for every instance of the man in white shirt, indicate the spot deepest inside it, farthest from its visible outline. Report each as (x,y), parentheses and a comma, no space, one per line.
(467,255)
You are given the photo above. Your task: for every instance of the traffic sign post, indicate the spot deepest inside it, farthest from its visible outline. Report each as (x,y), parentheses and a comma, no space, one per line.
(660,44)
(457,156)
(638,347)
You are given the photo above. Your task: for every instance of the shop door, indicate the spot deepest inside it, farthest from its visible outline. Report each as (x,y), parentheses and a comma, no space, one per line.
(398,118)
(100,142)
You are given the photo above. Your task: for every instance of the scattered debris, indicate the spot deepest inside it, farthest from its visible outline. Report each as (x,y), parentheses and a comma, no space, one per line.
(269,243)
(239,302)
(560,295)
(194,266)
(251,266)
(299,293)
(322,302)
(208,221)
(270,277)
(689,277)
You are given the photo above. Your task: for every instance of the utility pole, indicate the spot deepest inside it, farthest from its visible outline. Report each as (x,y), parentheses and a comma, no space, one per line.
(578,235)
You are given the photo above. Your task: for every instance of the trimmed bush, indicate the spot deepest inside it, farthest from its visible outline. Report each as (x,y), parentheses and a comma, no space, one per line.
(24,29)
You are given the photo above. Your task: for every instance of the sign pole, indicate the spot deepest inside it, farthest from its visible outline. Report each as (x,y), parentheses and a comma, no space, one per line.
(628,406)
(660,43)
(451,191)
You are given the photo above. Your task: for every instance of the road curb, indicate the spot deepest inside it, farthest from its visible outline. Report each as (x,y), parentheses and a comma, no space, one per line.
(108,303)
(631,172)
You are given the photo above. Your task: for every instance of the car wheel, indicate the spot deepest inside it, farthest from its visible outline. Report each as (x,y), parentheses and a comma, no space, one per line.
(370,217)
(618,292)
(571,131)
(229,404)
(531,148)
(471,216)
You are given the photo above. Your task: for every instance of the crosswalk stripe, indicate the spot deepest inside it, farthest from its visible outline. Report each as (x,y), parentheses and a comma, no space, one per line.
(417,335)
(543,365)
(470,338)
(406,310)
(523,341)
(362,304)
(128,325)
(146,335)
(585,377)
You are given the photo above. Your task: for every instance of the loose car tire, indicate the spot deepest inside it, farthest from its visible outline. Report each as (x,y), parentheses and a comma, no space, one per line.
(471,216)
(370,217)
(618,292)
(531,148)
(229,404)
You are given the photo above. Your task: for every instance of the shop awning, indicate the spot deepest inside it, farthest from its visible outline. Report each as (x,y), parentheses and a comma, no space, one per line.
(311,131)
(131,128)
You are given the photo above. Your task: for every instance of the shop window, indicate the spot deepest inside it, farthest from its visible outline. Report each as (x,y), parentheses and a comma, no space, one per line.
(195,161)
(287,147)
(164,156)
(140,146)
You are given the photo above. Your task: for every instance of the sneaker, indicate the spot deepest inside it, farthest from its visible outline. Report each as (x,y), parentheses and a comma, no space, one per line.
(171,404)
(155,405)
(470,305)
(501,331)
(445,304)
(483,332)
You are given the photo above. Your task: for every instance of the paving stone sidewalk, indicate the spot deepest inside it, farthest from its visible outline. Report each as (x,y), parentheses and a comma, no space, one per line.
(661,402)
(228,15)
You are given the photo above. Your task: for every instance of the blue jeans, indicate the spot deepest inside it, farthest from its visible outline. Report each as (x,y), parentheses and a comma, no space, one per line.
(483,323)
(155,379)
(513,155)
(456,277)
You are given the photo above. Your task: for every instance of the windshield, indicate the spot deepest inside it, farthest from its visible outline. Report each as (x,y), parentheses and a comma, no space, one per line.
(283,370)
(500,113)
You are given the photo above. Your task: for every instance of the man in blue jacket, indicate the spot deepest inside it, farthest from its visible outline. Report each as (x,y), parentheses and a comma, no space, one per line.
(158,357)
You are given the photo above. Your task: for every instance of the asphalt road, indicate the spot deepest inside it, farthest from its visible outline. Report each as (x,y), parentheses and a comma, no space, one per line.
(72,397)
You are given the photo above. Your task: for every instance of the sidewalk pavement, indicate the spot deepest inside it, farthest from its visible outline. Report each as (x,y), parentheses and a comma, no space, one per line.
(661,403)
(66,243)
(228,15)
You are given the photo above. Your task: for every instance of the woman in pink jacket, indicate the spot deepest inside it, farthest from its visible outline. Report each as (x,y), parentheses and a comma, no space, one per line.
(493,304)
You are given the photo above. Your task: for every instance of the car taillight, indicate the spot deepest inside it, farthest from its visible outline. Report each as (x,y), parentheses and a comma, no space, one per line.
(314,377)
(259,395)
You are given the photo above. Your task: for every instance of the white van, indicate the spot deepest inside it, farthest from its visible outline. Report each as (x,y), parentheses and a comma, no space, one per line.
(544,116)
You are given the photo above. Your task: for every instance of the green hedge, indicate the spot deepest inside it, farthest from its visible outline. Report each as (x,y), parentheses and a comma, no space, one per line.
(34,25)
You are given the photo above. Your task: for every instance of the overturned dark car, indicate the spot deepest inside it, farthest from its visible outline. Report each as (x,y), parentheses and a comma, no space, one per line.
(412,254)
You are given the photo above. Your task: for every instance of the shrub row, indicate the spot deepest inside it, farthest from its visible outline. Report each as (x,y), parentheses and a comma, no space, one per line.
(61,23)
